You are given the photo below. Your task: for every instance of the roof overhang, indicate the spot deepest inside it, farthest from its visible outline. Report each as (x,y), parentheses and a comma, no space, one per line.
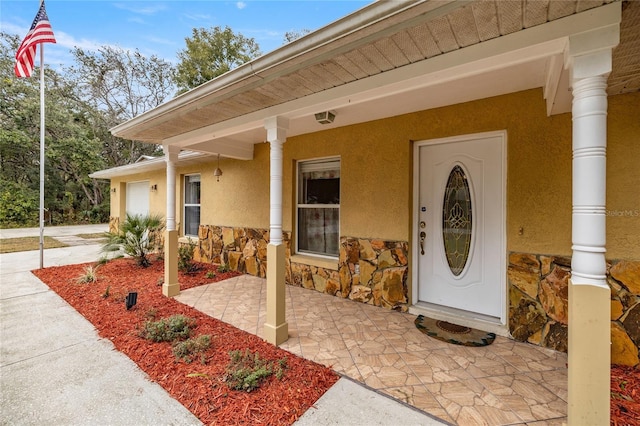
(349,67)
(185,158)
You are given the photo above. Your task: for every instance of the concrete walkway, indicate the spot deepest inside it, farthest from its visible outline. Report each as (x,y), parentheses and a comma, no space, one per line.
(55,369)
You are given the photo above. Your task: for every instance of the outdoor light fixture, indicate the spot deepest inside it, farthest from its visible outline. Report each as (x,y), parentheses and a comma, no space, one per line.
(113,189)
(154,188)
(131,300)
(218,172)
(325,117)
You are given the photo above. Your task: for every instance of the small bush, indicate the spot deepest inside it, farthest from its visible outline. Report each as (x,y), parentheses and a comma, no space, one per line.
(190,348)
(247,371)
(185,257)
(88,276)
(210,274)
(223,268)
(168,329)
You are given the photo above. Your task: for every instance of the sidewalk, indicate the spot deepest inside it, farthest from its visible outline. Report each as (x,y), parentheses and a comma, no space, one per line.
(54,231)
(55,369)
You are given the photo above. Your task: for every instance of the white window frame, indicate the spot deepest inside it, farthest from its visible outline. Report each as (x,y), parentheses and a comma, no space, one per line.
(322,164)
(185,204)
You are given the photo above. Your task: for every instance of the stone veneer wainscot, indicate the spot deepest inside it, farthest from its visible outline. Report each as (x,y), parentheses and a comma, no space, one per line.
(539,306)
(372,271)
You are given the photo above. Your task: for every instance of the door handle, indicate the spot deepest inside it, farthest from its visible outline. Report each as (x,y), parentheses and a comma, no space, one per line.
(423,235)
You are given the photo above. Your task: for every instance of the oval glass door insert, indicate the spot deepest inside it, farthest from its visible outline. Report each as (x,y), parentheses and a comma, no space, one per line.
(457,220)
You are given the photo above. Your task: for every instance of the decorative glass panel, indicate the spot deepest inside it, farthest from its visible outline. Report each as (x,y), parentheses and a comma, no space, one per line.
(457,220)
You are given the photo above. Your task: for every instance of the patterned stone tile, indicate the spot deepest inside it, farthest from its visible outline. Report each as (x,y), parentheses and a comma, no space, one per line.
(507,382)
(530,400)
(421,398)
(554,380)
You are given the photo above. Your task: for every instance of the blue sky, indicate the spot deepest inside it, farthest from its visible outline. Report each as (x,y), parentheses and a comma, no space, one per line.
(160,27)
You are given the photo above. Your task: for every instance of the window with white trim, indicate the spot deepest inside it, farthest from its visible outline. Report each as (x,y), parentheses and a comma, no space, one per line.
(191,204)
(318,207)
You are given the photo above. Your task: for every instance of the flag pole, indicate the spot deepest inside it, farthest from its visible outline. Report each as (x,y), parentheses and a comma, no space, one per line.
(41,155)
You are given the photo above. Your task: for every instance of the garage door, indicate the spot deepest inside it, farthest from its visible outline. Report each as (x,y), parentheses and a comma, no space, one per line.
(138,198)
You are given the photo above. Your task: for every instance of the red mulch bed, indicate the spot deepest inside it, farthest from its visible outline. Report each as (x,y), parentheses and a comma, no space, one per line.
(625,396)
(199,387)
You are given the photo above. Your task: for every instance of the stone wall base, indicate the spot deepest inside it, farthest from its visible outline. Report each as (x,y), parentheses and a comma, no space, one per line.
(539,303)
(372,271)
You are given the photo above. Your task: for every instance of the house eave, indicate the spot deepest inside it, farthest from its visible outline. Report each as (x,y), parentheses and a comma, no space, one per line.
(274,63)
(153,164)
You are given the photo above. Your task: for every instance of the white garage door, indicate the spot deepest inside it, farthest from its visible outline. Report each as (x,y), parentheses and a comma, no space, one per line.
(138,198)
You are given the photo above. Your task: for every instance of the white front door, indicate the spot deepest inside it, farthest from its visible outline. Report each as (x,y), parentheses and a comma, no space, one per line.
(460,223)
(138,198)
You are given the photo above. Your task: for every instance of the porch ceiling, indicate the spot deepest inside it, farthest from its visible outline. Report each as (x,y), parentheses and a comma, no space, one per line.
(387,59)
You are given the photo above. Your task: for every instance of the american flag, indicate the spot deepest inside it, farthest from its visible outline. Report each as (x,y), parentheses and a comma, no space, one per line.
(40,32)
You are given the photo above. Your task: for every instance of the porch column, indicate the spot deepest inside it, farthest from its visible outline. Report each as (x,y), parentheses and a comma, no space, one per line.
(589,352)
(171,286)
(276,329)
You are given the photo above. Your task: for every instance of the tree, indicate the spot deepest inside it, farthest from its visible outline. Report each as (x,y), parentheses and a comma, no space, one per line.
(293,35)
(72,149)
(120,85)
(210,53)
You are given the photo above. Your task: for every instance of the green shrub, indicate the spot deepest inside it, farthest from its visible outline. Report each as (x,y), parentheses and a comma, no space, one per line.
(210,274)
(88,276)
(168,329)
(190,348)
(247,371)
(223,268)
(185,257)
(138,237)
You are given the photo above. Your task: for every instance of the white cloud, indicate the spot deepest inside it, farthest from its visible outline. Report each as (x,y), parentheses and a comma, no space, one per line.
(241,5)
(197,16)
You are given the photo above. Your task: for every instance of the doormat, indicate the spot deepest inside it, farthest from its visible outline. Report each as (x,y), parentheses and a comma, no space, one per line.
(453,333)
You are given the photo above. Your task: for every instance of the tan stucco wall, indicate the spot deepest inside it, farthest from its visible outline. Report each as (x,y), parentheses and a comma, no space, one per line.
(376,178)
(157,199)
(623,177)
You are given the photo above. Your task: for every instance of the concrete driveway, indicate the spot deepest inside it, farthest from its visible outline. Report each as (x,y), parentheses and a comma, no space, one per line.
(54,368)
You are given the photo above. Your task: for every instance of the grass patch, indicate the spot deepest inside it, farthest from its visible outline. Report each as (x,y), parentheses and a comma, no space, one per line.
(12,245)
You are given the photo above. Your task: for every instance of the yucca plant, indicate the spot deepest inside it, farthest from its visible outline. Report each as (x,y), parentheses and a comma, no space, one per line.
(137,237)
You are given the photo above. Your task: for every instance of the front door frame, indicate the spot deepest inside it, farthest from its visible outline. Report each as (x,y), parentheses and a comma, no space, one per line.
(453,315)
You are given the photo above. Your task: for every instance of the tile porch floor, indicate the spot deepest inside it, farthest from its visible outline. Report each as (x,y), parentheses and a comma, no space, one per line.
(505,383)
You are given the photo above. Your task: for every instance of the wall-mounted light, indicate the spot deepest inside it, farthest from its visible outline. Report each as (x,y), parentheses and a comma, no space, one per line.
(325,117)
(113,189)
(218,172)
(154,187)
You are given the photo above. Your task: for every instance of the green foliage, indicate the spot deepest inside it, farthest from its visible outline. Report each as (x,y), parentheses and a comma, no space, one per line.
(210,53)
(138,237)
(89,275)
(293,35)
(117,85)
(210,275)
(247,371)
(18,205)
(168,329)
(72,150)
(107,292)
(185,257)
(189,349)
(223,267)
